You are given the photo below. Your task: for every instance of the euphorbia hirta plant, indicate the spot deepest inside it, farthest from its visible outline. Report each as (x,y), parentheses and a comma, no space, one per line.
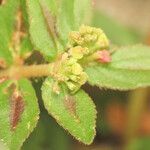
(74,53)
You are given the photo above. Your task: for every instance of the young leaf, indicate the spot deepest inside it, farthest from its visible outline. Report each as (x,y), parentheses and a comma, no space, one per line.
(19,112)
(121,79)
(132,58)
(76,113)
(7,21)
(41,28)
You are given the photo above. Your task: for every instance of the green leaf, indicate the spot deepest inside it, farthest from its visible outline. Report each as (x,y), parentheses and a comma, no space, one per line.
(82,12)
(24,12)
(41,27)
(116,32)
(51,21)
(132,58)
(7,21)
(19,112)
(71,15)
(65,19)
(52,5)
(5,56)
(48,133)
(76,113)
(113,78)
(26,47)
(129,69)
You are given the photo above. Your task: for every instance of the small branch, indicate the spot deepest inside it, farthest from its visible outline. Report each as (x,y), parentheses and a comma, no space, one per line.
(17,72)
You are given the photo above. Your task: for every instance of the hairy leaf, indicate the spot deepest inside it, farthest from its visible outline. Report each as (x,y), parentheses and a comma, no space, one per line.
(113,78)
(19,112)
(24,12)
(42,135)
(82,12)
(26,47)
(76,113)
(71,15)
(129,69)
(65,19)
(132,58)
(41,27)
(7,22)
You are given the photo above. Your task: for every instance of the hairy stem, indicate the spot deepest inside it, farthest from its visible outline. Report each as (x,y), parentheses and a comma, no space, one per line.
(17,72)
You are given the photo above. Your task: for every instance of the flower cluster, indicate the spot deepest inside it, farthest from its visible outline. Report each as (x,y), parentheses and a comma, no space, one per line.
(75,76)
(71,73)
(88,37)
(88,42)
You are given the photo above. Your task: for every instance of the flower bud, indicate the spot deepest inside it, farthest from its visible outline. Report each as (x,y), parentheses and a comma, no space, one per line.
(76,77)
(72,74)
(72,86)
(103,56)
(78,52)
(89,37)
